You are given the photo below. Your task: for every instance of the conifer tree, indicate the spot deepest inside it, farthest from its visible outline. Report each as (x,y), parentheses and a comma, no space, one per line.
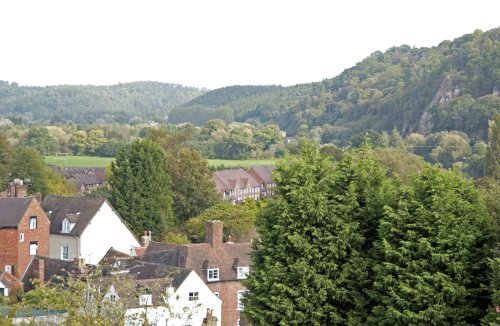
(140,190)
(434,254)
(311,265)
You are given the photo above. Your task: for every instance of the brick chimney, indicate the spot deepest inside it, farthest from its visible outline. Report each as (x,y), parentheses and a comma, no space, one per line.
(40,269)
(213,233)
(17,189)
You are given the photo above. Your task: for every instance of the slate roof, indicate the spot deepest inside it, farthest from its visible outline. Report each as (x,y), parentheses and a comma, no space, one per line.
(12,211)
(58,208)
(226,180)
(87,179)
(262,173)
(52,267)
(201,256)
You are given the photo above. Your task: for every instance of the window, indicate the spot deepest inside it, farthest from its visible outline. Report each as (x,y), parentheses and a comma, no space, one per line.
(32,222)
(33,248)
(146,299)
(242,272)
(217,294)
(241,295)
(21,237)
(66,226)
(8,268)
(64,252)
(193,296)
(213,274)
(112,298)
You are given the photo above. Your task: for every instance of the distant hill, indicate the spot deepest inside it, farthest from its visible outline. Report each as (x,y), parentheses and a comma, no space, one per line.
(453,86)
(89,104)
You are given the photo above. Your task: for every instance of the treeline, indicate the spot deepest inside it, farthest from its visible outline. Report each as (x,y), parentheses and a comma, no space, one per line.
(123,103)
(453,86)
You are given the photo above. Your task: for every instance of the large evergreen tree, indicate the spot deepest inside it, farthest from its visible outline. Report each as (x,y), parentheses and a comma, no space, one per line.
(312,263)
(140,187)
(434,248)
(5,159)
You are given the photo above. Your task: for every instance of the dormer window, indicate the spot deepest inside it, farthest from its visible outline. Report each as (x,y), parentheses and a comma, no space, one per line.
(212,274)
(67,226)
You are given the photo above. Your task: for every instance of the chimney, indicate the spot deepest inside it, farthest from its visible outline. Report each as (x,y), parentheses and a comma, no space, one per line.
(145,239)
(17,189)
(229,239)
(213,233)
(41,269)
(38,197)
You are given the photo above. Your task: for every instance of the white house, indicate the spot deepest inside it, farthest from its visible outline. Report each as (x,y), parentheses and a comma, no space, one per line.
(166,296)
(85,229)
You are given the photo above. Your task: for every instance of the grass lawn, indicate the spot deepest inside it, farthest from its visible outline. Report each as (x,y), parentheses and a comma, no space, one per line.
(79,161)
(102,162)
(239,163)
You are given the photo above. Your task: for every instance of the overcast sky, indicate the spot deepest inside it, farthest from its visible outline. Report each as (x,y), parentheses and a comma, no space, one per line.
(212,43)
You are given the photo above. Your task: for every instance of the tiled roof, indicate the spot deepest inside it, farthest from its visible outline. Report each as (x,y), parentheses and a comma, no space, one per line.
(87,179)
(58,208)
(226,180)
(200,256)
(12,211)
(10,281)
(262,173)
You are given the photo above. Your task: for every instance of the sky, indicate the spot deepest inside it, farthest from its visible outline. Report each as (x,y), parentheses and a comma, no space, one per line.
(217,43)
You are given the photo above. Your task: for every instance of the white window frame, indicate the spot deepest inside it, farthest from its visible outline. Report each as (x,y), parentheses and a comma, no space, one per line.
(241,295)
(146,299)
(33,248)
(212,274)
(242,272)
(21,237)
(217,294)
(64,250)
(66,226)
(194,296)
(33,222)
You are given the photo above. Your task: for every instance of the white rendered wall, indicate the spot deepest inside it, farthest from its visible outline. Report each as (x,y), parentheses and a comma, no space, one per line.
(106,230)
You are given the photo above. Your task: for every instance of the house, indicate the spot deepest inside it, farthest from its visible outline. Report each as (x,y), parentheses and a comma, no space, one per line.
(163,294)
(24,232)
(236,185)
(85,228)
(220,265)
(8,284)
(263,175)
(84,179)
(45,269)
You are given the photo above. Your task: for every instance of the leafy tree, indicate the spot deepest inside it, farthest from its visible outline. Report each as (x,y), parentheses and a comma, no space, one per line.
(78,142)
(28,164)
(5,159)
(40,139)
(193,189)
(395,140)
(492,164)
(434,254)
(453,147)
(312,263)
(268,135)
(238,221)
(57,184)
(95,139)
(140,187)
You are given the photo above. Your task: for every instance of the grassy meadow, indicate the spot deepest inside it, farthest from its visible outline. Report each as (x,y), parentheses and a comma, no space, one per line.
(102,162)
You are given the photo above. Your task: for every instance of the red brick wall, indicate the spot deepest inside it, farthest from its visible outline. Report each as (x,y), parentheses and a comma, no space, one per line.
(40,234)
(8,248)
(228,293)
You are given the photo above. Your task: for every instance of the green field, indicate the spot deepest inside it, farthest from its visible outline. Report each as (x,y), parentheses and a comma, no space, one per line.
(101,162)
(79,161)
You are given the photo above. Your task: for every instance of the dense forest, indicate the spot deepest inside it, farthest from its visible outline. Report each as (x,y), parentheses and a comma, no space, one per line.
(453,86)
(122,103)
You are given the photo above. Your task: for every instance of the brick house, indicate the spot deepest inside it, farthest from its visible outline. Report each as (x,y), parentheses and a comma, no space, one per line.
(221,265)
(24,233)
(263,175)
(236,185)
